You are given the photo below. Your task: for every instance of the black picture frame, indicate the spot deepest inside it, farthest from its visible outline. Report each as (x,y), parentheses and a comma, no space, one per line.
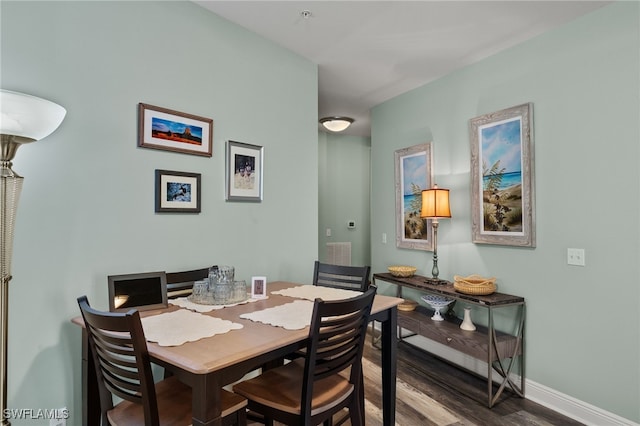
(177,192)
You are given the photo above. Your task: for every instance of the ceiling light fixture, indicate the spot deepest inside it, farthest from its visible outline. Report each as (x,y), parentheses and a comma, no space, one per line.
(336,124)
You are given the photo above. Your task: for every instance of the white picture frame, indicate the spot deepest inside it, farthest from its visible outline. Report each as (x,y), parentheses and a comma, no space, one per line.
(258,287)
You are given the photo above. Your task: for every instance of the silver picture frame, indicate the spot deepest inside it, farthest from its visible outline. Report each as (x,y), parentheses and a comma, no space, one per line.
(502,177)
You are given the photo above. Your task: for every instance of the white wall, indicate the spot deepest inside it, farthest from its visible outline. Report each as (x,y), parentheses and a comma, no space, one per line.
(583,323)
(87,208)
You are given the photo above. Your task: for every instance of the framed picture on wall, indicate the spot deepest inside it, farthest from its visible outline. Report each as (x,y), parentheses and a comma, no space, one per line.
(244,172)
(413,174)
(169,130)
(502,177)
(177,192)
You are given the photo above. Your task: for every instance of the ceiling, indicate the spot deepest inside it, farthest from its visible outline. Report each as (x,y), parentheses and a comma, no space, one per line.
(371,51)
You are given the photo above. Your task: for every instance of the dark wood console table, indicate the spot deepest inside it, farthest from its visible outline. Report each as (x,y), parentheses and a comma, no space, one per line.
(502,351)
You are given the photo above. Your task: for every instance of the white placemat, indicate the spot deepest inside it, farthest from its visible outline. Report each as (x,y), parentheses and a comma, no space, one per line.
(290,316)
(312,292)
(181,326)
(184,302)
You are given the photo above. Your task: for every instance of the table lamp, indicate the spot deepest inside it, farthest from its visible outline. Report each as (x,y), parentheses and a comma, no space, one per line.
(23,119)
(435,205)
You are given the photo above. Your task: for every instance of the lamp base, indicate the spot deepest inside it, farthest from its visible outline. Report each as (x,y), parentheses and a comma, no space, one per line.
(436,281)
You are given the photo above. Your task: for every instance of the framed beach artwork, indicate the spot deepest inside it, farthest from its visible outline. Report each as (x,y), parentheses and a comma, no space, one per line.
(177,192)
(244,172)
(502,177)
(413,174)
(169,130)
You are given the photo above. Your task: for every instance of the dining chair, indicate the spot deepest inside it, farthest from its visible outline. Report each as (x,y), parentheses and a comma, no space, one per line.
(181,283)
(123,369)
(345,277)
(310,390)
(340,276)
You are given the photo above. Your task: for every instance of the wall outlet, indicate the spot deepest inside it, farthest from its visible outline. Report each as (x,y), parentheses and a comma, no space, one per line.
(575,257)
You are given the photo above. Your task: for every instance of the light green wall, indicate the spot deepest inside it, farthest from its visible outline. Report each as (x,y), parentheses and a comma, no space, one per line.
(583,323)
(87,208)
(344,164)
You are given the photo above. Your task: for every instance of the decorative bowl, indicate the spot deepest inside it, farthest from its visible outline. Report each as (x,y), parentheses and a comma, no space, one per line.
(407,306)
(474,285)
(402,271)
(437,302)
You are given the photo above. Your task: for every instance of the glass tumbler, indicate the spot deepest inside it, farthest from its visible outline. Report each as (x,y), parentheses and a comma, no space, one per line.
(221,293)
(239,291)
(226,274)
(200,290)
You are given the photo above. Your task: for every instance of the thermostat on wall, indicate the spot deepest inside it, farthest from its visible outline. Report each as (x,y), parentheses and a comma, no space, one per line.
(351,224)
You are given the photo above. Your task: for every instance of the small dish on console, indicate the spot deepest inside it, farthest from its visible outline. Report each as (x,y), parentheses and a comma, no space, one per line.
(437,302)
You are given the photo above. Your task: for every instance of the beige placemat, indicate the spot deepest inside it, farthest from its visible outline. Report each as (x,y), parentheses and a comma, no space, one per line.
(313,292)
(290,316)
(184,302)
(181,326)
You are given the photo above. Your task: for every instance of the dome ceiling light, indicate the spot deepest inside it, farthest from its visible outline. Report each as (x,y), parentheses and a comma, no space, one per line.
(336,124)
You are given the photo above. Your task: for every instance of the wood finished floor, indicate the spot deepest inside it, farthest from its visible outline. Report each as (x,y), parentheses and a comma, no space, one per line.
(431,392)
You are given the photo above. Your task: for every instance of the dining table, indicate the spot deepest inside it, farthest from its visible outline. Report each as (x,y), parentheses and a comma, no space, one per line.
(210,363)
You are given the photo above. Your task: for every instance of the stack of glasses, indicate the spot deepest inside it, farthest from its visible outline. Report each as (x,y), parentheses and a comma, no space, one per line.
(220,288)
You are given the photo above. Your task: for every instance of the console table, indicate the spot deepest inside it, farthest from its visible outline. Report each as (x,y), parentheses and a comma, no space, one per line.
(502,351)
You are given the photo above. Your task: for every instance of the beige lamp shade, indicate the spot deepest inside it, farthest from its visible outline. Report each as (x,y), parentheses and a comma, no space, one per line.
(435,203)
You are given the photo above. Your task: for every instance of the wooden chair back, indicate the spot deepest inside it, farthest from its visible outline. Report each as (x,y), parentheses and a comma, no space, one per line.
(336,342)
(339,276)
(181,283)
(121,358)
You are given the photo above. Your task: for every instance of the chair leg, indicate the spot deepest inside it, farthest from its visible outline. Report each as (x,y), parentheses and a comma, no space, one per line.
(356,416)
(242,417)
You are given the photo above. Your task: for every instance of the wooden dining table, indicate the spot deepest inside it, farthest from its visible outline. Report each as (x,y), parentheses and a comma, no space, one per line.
(210,363)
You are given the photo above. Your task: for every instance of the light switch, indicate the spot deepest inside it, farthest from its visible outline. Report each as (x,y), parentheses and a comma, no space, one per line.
(328,232)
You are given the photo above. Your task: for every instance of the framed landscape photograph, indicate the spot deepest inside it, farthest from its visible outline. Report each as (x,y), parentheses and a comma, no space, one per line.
(502,177)
(177,192)
(413,174)
(244,172)
(169,130)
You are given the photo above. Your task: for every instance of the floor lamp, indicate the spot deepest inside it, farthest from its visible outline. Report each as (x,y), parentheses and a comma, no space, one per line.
(23,119)
(435,205)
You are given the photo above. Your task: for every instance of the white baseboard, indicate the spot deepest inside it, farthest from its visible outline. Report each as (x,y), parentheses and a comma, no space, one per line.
(566,405)
(572,407)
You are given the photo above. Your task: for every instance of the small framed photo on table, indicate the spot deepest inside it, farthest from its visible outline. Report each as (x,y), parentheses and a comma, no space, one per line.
(258,287)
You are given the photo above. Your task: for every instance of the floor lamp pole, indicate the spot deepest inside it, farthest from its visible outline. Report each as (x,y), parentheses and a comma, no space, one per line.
(10,188)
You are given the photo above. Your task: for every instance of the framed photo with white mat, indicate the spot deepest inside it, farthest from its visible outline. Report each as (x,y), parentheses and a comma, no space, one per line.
(258,287)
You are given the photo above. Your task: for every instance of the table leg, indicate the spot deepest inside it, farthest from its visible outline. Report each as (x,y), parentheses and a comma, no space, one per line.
(389,354)
(206,405)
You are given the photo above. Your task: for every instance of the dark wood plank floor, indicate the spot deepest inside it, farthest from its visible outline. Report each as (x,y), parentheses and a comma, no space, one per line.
(431,392)
(461,393)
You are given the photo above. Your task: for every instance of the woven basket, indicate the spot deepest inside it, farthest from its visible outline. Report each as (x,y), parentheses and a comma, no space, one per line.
(407,306)
(402,271)
(474,285)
